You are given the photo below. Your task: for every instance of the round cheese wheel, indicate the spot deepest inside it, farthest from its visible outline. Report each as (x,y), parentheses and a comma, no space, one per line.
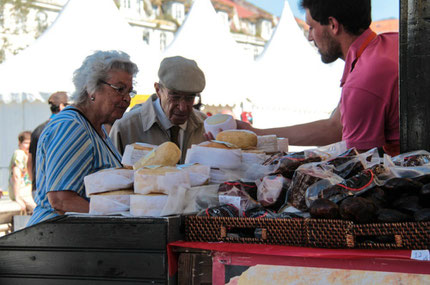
(219,121)
(167,154)
(244,139)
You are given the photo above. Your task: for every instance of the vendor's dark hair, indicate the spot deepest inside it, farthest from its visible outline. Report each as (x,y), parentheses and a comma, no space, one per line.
(354,15)
(54,108)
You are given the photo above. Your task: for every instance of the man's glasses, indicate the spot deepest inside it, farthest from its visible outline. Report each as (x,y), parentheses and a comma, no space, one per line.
(121,90)
(176,99)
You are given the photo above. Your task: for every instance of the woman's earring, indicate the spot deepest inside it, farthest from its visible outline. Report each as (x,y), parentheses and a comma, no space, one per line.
(93,98)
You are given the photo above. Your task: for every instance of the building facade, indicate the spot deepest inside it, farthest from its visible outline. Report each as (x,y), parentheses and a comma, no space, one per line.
(156,21)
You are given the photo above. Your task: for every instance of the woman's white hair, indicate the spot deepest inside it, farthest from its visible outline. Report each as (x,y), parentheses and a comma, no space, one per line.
(95,68)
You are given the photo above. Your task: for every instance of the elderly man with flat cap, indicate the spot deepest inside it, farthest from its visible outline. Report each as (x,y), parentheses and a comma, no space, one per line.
(167,115)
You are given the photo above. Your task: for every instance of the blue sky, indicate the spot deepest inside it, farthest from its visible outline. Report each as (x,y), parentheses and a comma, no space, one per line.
(381,9)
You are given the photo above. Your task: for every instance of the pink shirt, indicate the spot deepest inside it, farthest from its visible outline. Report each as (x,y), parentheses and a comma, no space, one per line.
(369,103)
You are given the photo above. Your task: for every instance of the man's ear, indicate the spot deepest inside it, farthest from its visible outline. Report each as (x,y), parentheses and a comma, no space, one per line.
(334,25)
(157,89)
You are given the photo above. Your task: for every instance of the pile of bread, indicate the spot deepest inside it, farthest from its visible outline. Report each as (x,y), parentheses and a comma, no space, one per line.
(152,184)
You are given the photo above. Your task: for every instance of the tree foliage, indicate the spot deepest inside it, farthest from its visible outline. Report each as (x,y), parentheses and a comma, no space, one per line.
(14,19)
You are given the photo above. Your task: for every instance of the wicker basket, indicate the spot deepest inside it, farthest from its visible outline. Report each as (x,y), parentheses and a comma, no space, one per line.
(243,230)
(411,235)
(309,232)
(329,233)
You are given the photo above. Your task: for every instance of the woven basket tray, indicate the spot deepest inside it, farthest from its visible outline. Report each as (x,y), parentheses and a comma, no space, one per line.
(412,235)
(309,232)
(245,230)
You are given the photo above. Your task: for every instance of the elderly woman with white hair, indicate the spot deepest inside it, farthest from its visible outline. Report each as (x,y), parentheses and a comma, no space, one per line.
(75,143)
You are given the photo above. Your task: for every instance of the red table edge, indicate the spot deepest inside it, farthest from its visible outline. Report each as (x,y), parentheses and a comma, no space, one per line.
(279,250)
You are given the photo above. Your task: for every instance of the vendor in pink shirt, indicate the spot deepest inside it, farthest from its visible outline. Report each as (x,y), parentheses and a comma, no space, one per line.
(368,112)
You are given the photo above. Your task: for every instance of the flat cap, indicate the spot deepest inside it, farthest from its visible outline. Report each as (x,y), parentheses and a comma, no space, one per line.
(58,98)
(181,74)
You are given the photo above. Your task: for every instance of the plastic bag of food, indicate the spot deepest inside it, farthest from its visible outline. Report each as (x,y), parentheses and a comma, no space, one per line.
(303,178)
(271,190)
(227,210)
(247,191)
(328,151)
(356,185)
(403,165)
(201,197)
(414,158)
(286,165)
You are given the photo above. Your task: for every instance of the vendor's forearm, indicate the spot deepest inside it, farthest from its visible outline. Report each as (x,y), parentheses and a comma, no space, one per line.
(316,133)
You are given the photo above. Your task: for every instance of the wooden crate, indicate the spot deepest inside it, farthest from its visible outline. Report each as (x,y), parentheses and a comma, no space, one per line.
(88,250)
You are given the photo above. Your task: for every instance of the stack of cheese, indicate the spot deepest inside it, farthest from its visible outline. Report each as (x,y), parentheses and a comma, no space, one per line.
(160,186)
(225,154)
(109,190)
(155,185)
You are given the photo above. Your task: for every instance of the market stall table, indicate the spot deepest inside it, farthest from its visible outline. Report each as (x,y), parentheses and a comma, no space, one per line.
(233,262)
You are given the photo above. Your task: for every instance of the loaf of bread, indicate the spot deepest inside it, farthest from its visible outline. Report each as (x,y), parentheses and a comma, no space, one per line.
(167,154)
(244,139)
(108,180)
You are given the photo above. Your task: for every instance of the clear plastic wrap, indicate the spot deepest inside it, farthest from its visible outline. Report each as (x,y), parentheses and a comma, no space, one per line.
(246,191)
(272,190)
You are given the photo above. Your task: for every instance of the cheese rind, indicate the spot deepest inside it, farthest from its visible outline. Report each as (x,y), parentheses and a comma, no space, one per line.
(244,139)
(167,154)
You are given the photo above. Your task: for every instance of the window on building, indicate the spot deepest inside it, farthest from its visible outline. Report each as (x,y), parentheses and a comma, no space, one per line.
(256,52)
(126,4)
(146,36)
(252,28)
(178,12)
(268,27)
(224,17)
(139,4)
(162,41)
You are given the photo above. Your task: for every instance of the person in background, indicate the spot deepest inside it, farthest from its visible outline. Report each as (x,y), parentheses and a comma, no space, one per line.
(368,112)
(19,182)
(167,115)
(57,101)
(74,143)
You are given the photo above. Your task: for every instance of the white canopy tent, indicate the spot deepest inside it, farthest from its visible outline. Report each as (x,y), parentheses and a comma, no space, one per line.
(206,39)
(47,66)
(295,85)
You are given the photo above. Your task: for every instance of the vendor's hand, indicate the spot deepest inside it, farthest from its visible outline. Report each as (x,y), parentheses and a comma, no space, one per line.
(241,125)
(209,136)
